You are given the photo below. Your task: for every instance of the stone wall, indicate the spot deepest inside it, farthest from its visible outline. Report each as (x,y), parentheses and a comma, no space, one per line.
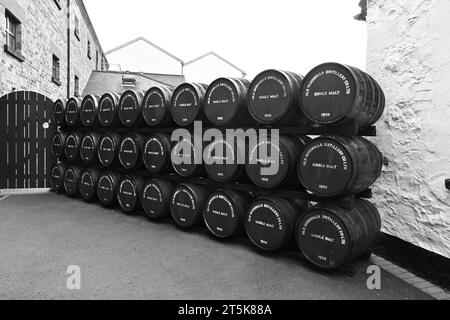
(44,34)
(409,54)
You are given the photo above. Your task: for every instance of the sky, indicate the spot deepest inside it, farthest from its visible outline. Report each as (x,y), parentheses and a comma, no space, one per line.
(255,35)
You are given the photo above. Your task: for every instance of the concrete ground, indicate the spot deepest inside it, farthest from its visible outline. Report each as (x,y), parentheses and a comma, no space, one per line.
(129,257)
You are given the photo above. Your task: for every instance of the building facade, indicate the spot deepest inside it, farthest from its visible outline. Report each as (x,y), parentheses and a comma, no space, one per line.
(48,46)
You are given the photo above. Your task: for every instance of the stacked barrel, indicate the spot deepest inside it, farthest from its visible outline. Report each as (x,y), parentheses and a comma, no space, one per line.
(118,149)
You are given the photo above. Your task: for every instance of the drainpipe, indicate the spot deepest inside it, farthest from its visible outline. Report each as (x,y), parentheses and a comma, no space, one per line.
(68,49)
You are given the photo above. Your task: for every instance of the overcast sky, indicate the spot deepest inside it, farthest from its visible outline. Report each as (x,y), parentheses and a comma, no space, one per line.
(255,35)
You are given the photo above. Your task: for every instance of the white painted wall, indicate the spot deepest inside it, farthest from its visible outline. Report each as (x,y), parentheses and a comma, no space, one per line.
(409,54)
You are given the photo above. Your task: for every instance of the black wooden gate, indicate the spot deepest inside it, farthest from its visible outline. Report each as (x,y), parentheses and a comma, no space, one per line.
(25,138)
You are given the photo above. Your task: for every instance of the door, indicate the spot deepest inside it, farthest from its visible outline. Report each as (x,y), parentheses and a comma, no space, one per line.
(25,138)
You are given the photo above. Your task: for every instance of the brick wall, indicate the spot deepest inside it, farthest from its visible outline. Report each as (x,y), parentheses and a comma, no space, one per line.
(44,34)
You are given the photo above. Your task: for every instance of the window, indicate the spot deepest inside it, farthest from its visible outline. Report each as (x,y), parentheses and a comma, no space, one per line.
(89,49)
(77,87)
(13,36)
(77,28)
(55,71)
(96,61)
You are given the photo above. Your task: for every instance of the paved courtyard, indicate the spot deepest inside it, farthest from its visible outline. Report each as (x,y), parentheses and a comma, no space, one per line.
(129,257)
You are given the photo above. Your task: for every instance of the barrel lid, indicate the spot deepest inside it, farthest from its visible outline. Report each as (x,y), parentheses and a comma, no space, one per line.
(70,182)
(185,105)
(72,147)
(184,206)
(155,106)
(72,113)
(105,189)
(89,109)
(58,112)
(107,151)
(128,152)
(107,110)
(127,195)
(57,146)
(265,224)
(221,101)
(269,96)
(87,185)
(156,153)
(271,156)
(329,92)
(220,215)
(129,108)
(57,177)
(225,166)
(87,149)
(153,201)
(187,167)
(323,238)
(325,167)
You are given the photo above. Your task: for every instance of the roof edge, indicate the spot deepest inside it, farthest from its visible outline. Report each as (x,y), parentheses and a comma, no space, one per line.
(88,20)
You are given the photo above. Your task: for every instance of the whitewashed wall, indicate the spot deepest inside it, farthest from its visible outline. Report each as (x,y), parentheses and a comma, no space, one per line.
(409,54)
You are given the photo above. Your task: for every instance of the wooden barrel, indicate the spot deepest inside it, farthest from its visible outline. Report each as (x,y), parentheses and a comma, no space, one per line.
(130,108)
(283,154)
(156,196)
(187,166)
(89,147)
(222,161)
(130,151)
(72,180)
(333,93)
(156,107)
(273,98)
(108,149)
(89,111)
(377,112)
(156,153)
(226,102)
(224,213)
(187,103)
(88,183)
(187,203)
(59,111)
(57,174)
(129,193)
(72,147)
(334,166)
(330,236)
(108,110)
(270,222)
(108,183)
(72,114)
(58,145)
